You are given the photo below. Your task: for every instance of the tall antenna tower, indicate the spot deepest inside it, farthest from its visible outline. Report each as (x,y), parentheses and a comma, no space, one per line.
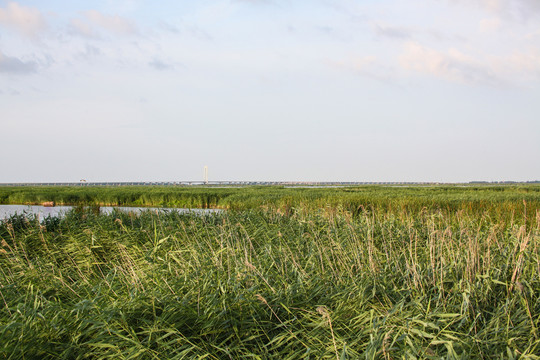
(206,175)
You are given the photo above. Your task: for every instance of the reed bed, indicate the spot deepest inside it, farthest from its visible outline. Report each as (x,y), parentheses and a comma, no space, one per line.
(352,198)
(505,203)
(271,284)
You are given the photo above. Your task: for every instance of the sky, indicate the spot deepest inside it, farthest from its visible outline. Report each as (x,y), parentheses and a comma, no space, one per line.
(270,90)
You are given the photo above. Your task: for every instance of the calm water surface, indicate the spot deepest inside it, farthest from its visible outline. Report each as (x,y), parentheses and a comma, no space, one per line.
(7,210)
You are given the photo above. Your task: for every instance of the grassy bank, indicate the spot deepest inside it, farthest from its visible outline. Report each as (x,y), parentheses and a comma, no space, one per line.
(497,200)
(305,284)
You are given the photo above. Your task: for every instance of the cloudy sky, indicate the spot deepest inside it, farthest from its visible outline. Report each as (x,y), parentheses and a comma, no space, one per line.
(389,90)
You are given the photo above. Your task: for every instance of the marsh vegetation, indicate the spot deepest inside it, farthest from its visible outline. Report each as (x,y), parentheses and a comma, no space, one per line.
(363,273)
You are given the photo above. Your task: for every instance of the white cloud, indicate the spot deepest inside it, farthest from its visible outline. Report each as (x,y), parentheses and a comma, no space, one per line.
(452,65)
(394,32)
(160,65)
(28,21)
(255,2)
(511,9)
(358,64)
(94,20)
(525,65)
(169,27)
(113,23)
(492,5)
(13,65)
(89,53)
(368,66)
(123,6)
(532,35)
(80,27)
(489,25)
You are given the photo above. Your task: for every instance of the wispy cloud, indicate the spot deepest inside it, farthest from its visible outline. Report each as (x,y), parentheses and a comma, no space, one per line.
(451,65)
(113,23)
(351,10)
(82,28)
(94,20)
(358,64)
(169,27)
(394,32)
(325,29)
(89,53)
(525,65)
(26,20)
(186,29)
(533,35)
(489,25)
(255,2)
(13,65)
(160,65)
(368,66)
(512,69)
(510,9)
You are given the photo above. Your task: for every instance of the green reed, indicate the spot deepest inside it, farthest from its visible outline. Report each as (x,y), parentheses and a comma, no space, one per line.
(331,283)
(500,201)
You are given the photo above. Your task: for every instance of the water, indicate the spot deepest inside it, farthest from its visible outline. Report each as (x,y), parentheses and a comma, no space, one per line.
(42,212)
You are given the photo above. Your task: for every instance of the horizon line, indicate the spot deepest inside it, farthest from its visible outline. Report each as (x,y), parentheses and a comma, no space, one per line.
(249,182)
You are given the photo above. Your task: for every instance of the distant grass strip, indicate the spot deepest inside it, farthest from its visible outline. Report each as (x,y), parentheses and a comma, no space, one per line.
(497,200)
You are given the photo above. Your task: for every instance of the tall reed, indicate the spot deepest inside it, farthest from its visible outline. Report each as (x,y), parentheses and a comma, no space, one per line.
(264,284)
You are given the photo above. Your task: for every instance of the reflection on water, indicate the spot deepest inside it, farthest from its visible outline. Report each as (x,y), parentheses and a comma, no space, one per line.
(42,212)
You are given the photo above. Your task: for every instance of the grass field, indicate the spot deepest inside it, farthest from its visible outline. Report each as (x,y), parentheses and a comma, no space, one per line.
(370,273)
(502,198)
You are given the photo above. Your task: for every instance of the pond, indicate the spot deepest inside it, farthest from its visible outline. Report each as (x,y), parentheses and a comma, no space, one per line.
(43,211)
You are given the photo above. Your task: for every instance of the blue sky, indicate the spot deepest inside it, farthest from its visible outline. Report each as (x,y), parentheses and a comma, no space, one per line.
(319,90)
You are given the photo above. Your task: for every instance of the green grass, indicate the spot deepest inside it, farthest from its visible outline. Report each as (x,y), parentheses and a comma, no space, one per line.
(390,281)
(502,198)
